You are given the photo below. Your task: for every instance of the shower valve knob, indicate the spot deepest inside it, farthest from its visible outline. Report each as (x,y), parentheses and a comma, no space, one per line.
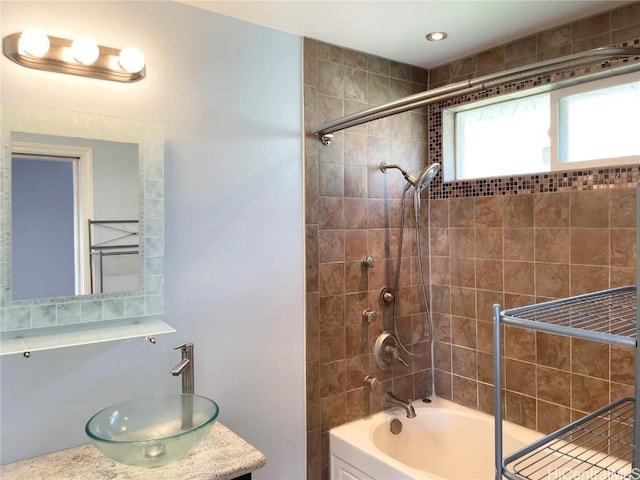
(371,382)
(369,316)
(386,297)
(367,262)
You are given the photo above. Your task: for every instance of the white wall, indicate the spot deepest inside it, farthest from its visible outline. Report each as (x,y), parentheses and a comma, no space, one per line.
(229,95)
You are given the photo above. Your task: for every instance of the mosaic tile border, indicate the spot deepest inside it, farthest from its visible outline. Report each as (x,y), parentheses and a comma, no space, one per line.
(564,181)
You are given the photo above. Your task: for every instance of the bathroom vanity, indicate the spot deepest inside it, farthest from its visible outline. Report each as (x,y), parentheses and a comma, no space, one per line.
(222,455)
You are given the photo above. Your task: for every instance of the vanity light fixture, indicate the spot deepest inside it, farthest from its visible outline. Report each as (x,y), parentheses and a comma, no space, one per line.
(82,56)
(436,36)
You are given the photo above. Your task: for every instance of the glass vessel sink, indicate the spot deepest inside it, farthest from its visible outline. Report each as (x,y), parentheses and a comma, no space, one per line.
(152,431)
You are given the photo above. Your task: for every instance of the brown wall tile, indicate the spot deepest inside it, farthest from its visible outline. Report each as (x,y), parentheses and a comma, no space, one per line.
(520,409)
(332,411)
(463,331)
(588,394)
(332,345)
(463,68)
(626,15)
(518,211)
(520,377)
(491,61)
(332,378)
(355,244)
(444,384)
(622,365)
(519,277)
(463,302)
(590,246)
(330,52)
(622,207)
(330,246)
(465,391)
(463,273)
(489,243)
(485,248)
(552,280)
(585,279)
(489,274)
(353,58)
(553,385)
(485,367)
(519,244)
(331,212)
(592,26)
(553,350)
(355,213)
(590,209)
(462,212)
(440,75)
(551,209)
(357,404)
(623,247)
(489,212)
(551,417)
(519,344)
(553,245)
(555,38)
(525,47)
(462,242)
(332,312)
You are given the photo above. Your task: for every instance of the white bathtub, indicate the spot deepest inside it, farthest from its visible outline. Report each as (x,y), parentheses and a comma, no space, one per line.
(444,441)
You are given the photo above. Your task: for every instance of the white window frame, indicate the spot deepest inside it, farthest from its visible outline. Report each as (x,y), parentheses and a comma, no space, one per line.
(556,125)
(450,139)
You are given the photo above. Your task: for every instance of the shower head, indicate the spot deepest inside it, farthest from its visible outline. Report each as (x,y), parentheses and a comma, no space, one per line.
(426,176)
(423,179)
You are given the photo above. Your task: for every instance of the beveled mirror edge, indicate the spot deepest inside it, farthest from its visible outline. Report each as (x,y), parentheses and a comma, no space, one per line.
(18,317)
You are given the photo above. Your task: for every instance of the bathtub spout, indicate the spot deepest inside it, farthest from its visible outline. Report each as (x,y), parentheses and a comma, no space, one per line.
(390,400)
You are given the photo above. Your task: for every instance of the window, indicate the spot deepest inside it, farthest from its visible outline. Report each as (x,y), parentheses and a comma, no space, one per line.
(584,126)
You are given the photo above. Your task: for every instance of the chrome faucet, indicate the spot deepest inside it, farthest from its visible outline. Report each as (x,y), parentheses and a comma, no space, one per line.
(390,400)
(185,367)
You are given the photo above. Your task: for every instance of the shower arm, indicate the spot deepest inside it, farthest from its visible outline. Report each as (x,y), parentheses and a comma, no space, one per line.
(428,97)
(386,166)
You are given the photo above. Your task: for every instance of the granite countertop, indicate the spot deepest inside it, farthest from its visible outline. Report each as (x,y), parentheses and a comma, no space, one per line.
(221,455)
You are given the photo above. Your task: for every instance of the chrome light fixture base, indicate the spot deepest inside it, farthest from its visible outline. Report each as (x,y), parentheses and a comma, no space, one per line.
(59,59)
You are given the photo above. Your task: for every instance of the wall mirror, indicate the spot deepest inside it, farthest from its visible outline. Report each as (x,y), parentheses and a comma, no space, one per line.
(82,204)
(74,216)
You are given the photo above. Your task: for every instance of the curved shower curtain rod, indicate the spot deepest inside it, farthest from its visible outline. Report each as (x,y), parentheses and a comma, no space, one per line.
(465,87)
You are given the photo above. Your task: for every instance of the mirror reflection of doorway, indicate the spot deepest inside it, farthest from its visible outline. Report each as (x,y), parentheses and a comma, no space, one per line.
(106,192)
(50,207)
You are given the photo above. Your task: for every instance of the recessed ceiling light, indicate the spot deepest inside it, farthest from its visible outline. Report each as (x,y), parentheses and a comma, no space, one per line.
(436,36)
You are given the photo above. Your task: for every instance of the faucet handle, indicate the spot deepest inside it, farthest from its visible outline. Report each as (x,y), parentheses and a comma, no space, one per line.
(394,352)
(184,346)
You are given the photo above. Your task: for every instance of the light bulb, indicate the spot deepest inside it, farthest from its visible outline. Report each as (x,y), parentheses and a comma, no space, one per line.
(131,59)
(85,50)
(34,42)
(436,36)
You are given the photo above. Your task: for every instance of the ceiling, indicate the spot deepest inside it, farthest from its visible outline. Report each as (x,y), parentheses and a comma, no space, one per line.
(396,29)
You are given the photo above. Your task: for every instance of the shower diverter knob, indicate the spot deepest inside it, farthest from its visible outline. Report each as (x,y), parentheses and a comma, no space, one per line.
(367,262)
(369,316)
(386,350)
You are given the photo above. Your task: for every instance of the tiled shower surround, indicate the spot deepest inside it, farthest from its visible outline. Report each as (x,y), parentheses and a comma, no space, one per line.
(510,241)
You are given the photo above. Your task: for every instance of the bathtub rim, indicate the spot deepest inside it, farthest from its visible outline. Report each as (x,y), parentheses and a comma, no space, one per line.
(352,442)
